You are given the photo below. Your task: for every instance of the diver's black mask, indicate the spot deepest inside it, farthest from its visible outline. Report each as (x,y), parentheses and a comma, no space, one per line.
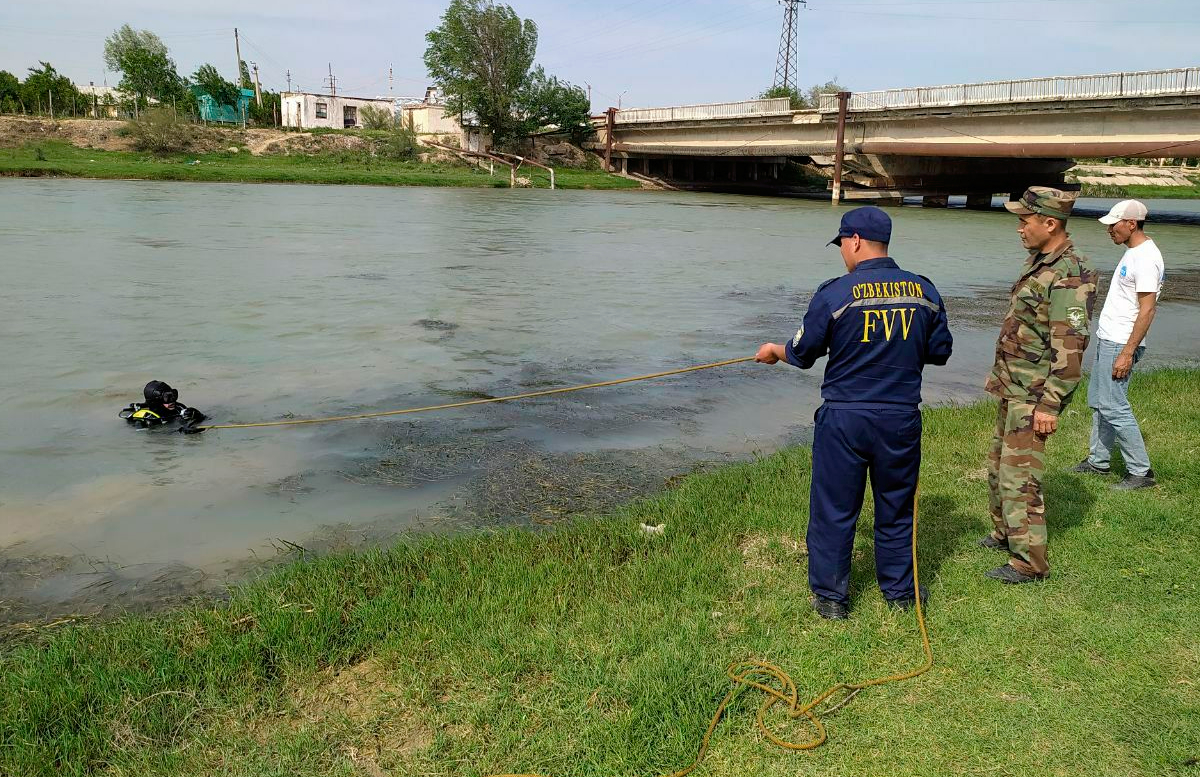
(159,393)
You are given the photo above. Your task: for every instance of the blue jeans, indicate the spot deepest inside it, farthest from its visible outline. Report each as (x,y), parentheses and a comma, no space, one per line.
(1112,418)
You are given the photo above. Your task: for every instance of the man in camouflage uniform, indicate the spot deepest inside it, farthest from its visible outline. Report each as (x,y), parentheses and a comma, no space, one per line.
(1039,357)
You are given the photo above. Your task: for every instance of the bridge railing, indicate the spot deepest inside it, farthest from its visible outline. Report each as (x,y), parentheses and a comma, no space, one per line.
(1140,84)
(776,106)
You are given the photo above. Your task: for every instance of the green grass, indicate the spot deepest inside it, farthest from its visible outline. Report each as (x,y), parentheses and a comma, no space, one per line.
(1143,192)
(593,649)
(62,159)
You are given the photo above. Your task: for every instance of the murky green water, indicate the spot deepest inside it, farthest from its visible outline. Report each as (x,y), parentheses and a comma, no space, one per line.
(262,301)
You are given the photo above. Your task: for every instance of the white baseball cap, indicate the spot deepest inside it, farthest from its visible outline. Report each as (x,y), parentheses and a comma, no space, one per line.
(1125,209)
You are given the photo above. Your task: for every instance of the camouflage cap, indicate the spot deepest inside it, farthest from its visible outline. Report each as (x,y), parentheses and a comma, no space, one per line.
(1044,201)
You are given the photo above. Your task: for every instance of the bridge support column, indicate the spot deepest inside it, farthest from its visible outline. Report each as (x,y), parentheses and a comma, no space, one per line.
(733,171)
(625,165)
(691,169)
(712,171)
(670,168)
(979,201)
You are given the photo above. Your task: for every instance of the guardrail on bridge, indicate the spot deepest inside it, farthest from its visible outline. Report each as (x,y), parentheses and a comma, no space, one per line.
(1146,83)
(776,106)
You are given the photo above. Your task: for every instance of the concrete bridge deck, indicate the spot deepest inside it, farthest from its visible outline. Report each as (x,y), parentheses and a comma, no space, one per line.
(974,139)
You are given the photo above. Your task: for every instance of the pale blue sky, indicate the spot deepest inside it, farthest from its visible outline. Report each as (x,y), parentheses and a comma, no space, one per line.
(645,53)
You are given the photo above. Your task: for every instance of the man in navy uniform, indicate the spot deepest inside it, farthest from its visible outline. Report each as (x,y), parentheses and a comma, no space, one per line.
(880,326)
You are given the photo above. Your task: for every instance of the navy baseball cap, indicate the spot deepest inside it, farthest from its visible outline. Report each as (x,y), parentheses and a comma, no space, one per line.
(869,223)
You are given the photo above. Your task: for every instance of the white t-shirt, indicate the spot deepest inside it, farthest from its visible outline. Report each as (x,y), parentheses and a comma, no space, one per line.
(1140,270)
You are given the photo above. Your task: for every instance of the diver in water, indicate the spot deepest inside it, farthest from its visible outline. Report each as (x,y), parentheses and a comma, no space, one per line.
(162,407)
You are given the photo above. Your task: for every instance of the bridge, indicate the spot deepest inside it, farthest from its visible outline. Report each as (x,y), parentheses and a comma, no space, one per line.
(974,139)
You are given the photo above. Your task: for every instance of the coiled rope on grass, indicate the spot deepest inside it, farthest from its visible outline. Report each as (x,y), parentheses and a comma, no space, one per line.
(780,688)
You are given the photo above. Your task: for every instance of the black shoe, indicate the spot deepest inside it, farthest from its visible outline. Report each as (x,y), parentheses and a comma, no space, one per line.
(906,603)
(991,543)
(1010,574)
(1088,468)
(1131,482)
(829,609)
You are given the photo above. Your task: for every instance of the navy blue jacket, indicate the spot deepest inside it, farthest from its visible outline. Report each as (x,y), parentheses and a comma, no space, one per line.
(880,326)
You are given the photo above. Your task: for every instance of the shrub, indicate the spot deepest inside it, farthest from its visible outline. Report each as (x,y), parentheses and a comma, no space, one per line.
(375,118)
(159,132)
(400,144)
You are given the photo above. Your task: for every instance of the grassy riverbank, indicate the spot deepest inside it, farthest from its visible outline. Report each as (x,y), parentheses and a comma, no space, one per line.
(57,158)
(595,649)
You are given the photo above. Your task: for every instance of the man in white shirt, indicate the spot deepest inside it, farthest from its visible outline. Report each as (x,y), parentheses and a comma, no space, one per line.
(1124,321)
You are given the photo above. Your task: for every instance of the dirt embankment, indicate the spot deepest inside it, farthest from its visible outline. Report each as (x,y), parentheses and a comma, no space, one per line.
(110,135)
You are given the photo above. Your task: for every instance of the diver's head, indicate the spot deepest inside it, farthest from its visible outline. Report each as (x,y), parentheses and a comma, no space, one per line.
(159,393)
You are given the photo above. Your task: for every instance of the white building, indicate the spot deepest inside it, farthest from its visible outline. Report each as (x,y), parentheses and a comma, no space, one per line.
(305,110)
(427,115)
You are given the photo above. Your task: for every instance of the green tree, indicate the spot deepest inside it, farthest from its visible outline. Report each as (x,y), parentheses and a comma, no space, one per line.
(146,67)
(43,82)
(811,97)
(549,102)
(797,101)
(10,92)
(816,90)
(481,55)
(374,118)
(214,84)
(244,79)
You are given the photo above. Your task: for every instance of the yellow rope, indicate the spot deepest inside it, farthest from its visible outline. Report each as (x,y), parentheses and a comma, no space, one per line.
(780,688)
(527,395)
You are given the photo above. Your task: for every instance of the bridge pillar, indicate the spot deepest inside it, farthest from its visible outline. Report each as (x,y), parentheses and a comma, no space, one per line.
(625,165)
(978,201)
(691,169)
(733,170)
(712,171)
(670,168)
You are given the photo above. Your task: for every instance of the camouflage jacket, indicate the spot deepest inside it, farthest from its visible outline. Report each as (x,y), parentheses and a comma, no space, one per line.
(1039,354)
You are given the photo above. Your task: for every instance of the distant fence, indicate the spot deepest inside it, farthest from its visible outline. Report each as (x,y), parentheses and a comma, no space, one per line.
(776,106)
(1147,83)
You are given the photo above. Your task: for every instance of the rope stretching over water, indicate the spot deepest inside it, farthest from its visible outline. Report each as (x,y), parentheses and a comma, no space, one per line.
(468,403)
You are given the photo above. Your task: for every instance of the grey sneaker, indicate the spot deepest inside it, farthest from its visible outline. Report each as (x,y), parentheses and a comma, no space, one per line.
(1087,467)
(1131,482)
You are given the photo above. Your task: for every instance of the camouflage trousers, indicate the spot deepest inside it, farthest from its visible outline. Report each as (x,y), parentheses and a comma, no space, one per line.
(1016,462)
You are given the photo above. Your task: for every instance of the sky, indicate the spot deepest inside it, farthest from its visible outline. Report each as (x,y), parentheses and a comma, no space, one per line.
(635,53)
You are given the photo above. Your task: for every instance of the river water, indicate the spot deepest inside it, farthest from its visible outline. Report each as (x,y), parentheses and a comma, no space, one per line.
(264,302)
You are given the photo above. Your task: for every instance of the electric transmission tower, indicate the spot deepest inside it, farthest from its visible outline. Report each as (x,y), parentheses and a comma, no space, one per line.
(789,46)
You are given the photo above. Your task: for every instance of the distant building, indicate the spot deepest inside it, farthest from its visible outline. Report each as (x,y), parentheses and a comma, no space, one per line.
(305,110)
(222,114)
(102,101)
(427,116)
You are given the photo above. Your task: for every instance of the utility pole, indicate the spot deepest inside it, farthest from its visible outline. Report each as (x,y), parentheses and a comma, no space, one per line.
(332,82)
(589,86)
(238,48)
(789,46)
(257,85)
(610,119)
(289,78)
(840,155)
(51,93)
(390,90)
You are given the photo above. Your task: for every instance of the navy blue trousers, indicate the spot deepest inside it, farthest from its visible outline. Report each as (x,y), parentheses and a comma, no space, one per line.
(850,444)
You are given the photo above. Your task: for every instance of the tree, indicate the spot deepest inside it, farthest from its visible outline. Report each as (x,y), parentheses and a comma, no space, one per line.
(548,102)
(811,97)
(146,67)
(10,92)
(215,86)
(481,55)
(797,102)
(244,80)
(816,90)
(374,118)
(41,83)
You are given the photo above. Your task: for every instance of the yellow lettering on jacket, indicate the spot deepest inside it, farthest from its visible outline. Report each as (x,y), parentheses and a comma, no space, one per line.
(887,319)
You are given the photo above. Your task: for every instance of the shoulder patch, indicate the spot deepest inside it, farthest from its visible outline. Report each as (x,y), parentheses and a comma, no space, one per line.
(1077,318)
